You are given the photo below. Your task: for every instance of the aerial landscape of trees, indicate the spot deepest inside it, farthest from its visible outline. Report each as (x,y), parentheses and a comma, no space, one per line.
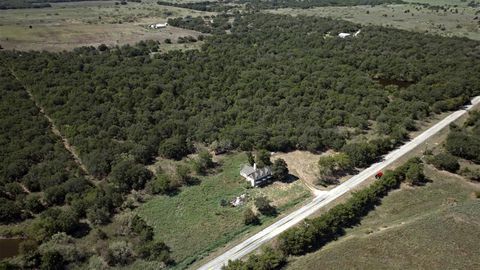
(274,92)
(274,83)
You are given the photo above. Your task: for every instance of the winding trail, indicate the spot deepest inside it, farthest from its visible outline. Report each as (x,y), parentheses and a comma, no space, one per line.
(57,132)
(323,199)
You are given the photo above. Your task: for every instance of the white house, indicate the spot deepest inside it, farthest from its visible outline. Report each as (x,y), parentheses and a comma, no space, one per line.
(255,175)
(158,25)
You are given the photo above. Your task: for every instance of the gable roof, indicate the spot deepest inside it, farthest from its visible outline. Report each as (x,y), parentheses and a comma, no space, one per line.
(256,174)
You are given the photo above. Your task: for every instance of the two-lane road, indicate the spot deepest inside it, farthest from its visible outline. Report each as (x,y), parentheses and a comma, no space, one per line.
(323,199)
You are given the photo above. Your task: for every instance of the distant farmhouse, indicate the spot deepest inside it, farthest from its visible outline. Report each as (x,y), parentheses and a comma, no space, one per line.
(256,176)
(344,35)
(158,25)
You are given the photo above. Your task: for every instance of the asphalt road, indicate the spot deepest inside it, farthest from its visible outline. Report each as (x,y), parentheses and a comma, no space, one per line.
(323,199)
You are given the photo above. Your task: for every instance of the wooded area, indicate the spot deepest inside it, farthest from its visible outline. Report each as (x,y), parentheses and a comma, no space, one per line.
(271,4)
(276,82)
(33,158)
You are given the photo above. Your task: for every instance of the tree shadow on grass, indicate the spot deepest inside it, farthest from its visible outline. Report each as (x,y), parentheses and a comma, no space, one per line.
(290,179)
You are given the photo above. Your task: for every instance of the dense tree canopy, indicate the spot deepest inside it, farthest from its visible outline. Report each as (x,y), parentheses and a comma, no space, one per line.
(33,158)
(277,82)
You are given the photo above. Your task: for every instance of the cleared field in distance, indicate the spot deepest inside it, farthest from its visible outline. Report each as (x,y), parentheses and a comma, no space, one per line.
(193,223)
(429,227)
(408,17)
(70,25)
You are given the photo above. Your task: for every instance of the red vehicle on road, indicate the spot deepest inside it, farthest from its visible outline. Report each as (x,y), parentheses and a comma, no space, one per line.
(378,175)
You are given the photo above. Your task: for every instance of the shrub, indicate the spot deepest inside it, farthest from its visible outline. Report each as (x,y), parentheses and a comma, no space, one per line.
(119,253)
(156,251)
(445,161)
(162,184)
(269,259)
(203,162)
(472,174)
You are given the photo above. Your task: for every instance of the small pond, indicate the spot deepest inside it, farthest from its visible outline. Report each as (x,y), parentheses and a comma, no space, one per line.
(9,247)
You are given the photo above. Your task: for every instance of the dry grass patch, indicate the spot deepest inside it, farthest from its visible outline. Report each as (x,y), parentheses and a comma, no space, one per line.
(69,25)
(405,17)
(429,227)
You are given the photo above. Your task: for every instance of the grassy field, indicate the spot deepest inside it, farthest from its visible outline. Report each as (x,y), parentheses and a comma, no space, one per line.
(69,25)
(408,17)
(431,227)
(193,223)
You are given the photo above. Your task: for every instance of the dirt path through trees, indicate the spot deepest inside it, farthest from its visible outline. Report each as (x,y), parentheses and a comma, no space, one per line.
(57,132)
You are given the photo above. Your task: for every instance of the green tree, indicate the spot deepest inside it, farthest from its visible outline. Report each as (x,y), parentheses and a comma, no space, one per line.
(251,158)
(280,170)
(129,175)
(331,166)
(203,162)
(183,175)
(263,205)
(249,217)
(52,260)
(360,154)
(263,158)
(414,174)
(98,215)
(9,211)
(175,147)
(161,184)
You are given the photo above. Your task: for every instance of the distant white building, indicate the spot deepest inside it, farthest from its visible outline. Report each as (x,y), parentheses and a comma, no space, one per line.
(255,175)
(344,35)
(158,25)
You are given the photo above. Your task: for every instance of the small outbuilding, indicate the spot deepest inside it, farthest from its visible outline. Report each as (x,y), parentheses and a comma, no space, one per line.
(256,176)
(158,25)
(344,35)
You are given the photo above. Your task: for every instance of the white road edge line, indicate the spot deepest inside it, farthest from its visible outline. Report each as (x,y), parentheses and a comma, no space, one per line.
(321,200)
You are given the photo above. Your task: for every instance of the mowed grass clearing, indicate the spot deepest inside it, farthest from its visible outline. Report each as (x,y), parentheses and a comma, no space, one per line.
(193,223)
(410,17)
(436,226)
(65,26)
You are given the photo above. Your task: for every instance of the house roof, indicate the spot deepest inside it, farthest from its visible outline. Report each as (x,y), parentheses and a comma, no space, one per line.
(247,170)
(256,174)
